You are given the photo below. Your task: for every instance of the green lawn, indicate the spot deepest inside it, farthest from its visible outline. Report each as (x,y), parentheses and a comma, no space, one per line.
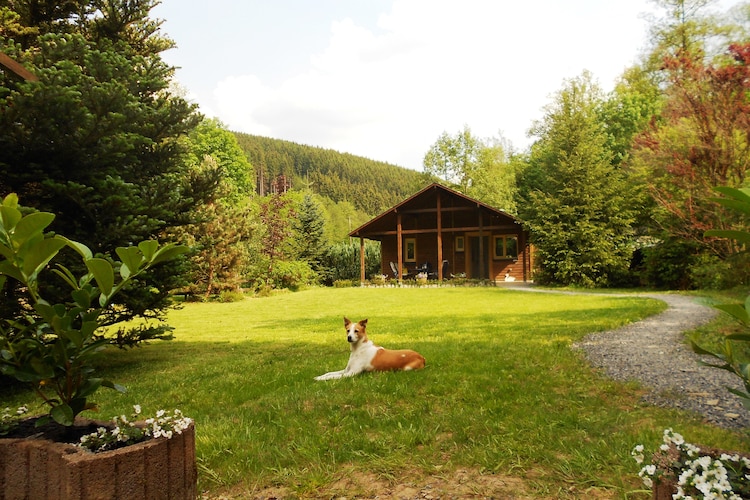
(502,395)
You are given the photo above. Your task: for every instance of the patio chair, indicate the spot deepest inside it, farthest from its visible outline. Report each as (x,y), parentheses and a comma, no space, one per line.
(394,269)
(427,269)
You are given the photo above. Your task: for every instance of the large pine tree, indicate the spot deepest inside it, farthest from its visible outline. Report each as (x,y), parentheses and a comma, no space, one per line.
(576,202)
(98,139)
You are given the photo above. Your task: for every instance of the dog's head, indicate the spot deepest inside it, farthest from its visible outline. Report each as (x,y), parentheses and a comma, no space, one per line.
(355,331)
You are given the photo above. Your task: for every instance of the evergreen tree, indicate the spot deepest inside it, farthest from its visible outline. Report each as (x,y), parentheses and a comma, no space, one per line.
(310,228)
(576,202)
(330,174)
(98,139)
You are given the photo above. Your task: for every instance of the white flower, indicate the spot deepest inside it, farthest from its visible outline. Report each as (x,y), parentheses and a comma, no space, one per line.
(637,454)
(123,431)
(137,409)
(678,439)
(646,473)
(691,450)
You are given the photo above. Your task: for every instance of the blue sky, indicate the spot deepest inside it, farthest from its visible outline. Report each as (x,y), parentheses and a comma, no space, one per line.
(384,78)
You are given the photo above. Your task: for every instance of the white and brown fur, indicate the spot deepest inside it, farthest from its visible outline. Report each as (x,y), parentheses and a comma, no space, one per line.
(367,357)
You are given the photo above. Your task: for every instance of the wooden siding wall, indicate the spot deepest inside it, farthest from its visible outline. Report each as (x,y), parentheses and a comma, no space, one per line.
(457,261)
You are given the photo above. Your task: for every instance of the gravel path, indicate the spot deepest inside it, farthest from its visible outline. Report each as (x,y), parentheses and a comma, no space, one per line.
(655,353)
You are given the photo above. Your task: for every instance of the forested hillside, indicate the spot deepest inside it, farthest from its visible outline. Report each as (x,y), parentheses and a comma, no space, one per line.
(371,186)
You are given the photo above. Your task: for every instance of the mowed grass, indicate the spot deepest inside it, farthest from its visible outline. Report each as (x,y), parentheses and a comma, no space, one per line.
(503,392)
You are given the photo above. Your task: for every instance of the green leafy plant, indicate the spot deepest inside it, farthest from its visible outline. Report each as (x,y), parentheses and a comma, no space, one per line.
(54,345)
(739,200)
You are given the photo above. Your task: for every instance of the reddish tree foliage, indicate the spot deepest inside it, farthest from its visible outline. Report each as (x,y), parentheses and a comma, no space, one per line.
(702,141)
(276,215)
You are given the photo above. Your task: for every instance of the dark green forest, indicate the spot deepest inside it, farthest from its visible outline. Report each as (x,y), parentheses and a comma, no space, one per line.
(371,186)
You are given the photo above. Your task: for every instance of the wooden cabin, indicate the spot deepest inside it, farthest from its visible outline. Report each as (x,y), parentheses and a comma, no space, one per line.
(447,234)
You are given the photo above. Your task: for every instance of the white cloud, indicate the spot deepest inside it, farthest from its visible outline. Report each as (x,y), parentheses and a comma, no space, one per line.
(433,66)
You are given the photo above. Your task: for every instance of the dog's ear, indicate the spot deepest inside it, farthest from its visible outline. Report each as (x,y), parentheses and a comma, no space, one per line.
(346,322)
(363,323)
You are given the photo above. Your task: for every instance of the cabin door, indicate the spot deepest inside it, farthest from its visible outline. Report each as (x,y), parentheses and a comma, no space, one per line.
(478,271)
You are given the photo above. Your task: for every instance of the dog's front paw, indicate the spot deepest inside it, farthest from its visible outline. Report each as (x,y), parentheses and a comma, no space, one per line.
(329,376)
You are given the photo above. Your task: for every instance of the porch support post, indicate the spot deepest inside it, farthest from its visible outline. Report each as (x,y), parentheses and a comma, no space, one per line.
(361,259)
(439,238)
(482,263)
(399,247)
(522,244)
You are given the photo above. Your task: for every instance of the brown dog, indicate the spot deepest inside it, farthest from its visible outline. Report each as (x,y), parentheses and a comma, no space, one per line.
(367,357)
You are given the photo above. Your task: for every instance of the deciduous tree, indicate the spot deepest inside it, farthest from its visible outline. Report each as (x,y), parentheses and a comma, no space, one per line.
(702,141)
(276,231)
(480,168)
(453,158)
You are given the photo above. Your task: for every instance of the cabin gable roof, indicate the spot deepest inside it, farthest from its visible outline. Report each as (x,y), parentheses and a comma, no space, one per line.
(457,210)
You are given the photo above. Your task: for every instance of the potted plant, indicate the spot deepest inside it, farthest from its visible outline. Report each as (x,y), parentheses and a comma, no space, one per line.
(683,470)
(53,346)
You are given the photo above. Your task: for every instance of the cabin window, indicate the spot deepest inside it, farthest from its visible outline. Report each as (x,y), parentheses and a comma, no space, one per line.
(459,244)
(410,250)
(506,247)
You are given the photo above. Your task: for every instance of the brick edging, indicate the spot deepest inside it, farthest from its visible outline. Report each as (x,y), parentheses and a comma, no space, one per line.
(155,469)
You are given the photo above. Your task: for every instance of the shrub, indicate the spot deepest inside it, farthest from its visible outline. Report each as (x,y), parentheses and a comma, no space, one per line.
(54,347)
(292,274)
(666,264)
(343,261)
(231,296)
(709,272)
(344,284)
(378,279)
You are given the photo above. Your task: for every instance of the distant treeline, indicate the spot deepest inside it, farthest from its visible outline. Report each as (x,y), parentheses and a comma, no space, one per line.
(371,186)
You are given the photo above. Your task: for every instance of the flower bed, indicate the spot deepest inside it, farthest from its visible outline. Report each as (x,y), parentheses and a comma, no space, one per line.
(680,470)
(157,468)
